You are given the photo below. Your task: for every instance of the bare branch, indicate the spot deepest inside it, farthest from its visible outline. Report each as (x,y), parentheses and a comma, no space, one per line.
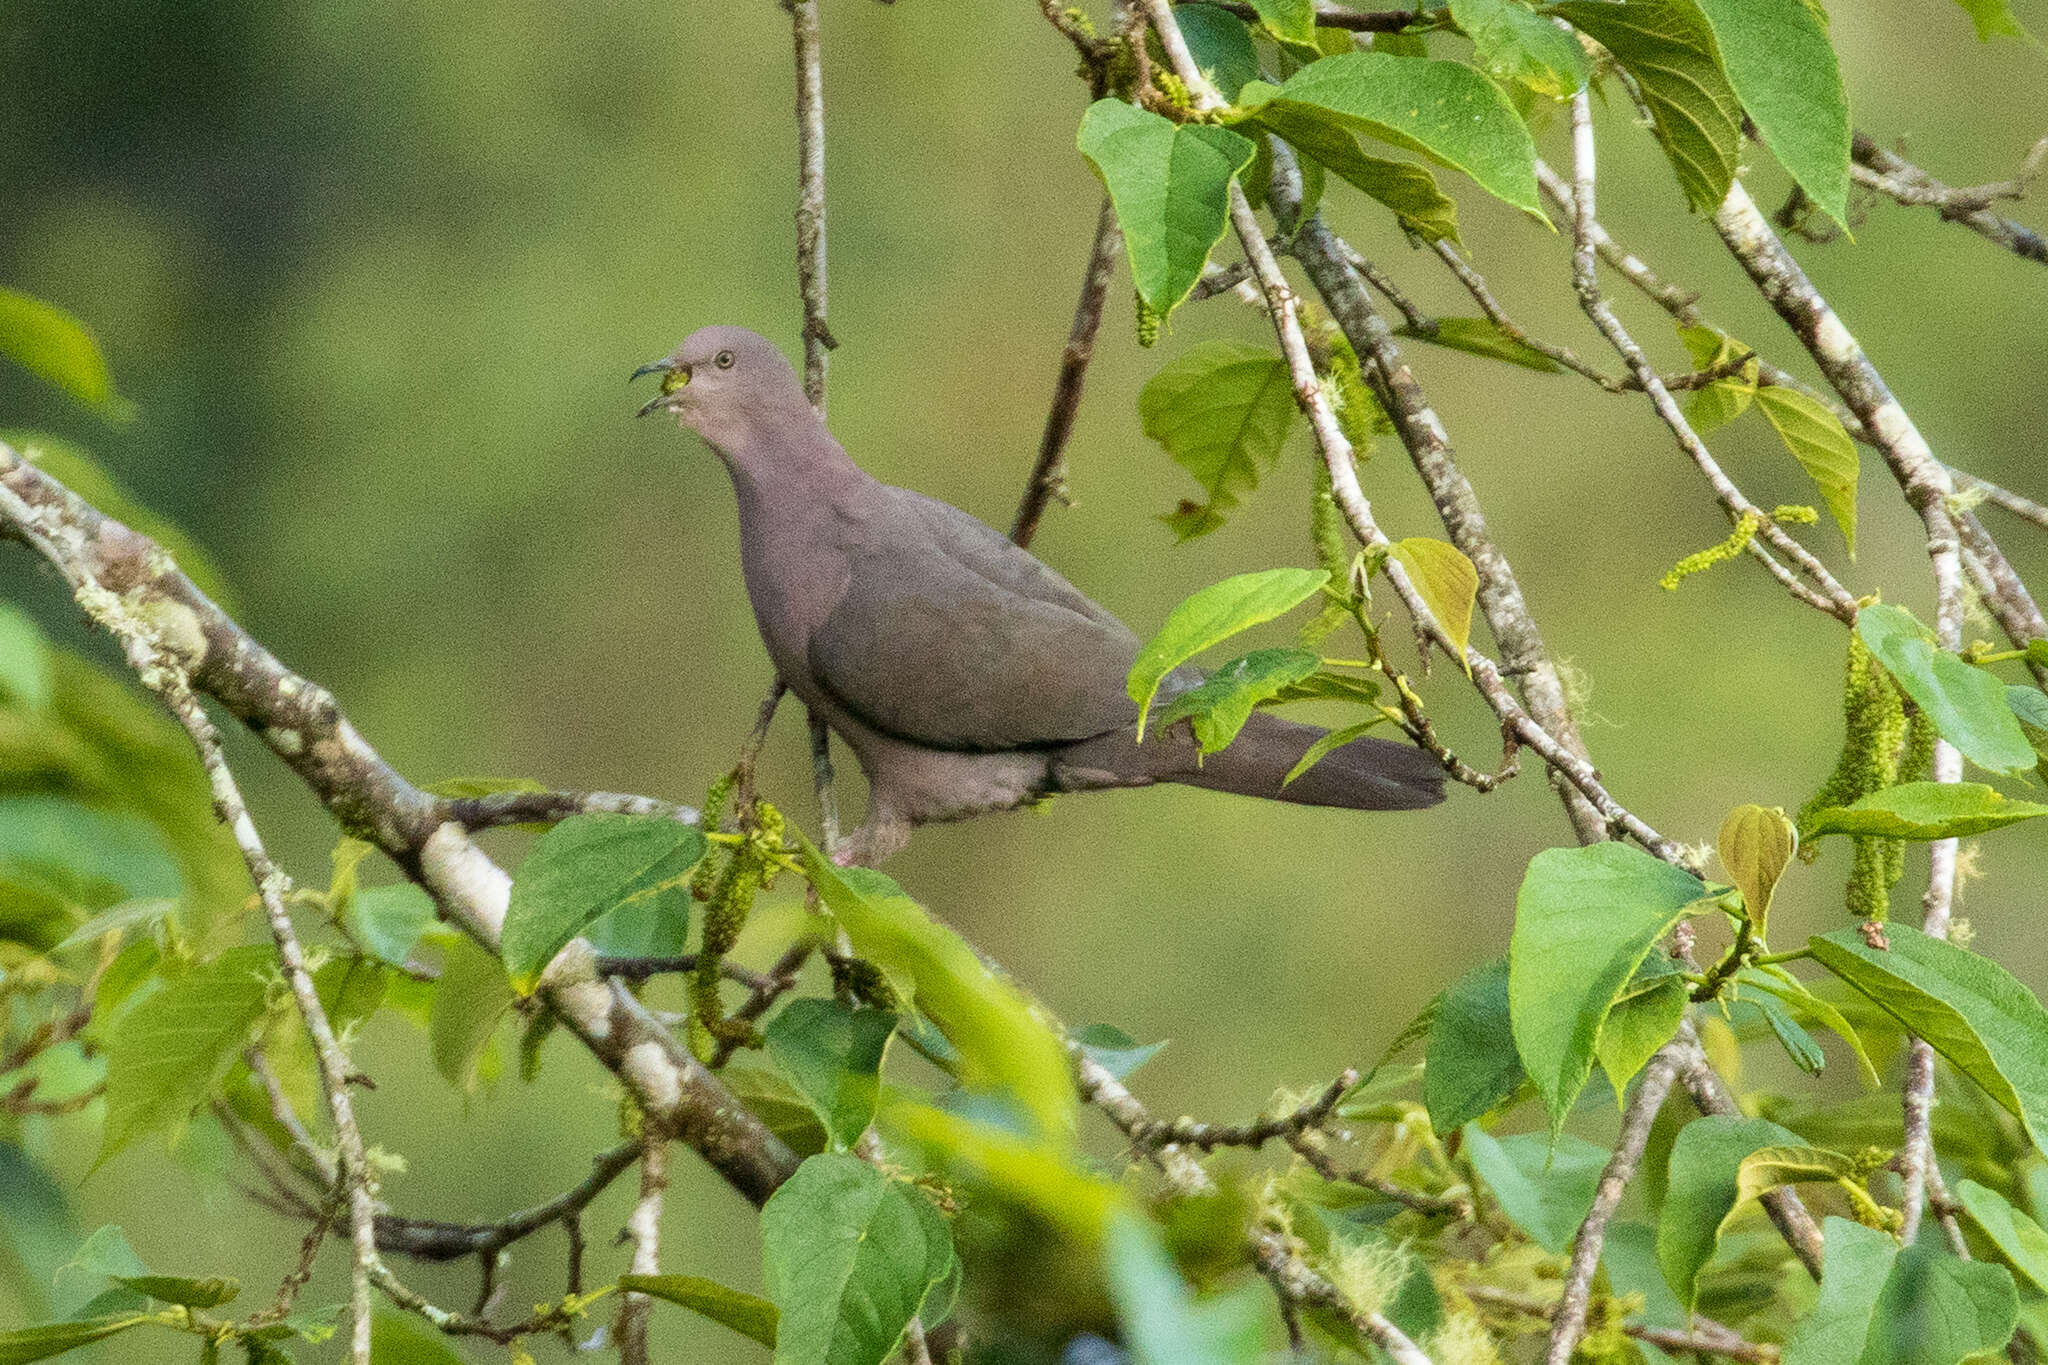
(1892,175)
(643,1229)
(1709,1337)
(810,205)
(1049,473)
(430,1240)
(1344,17)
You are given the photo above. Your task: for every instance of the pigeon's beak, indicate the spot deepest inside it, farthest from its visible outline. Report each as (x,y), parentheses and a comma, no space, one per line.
(674,376)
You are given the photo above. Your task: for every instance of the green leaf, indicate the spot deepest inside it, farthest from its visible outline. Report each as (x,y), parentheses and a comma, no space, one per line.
(1630,1260)
(1222,410)
(1768,1168)
(1925,810)
(1778,982)
(849,1256)
(1170,184)
(388,920)
(54,345)
(24,1344)
(1724,400)
(1973,1011)
(778,1104)
(1471,1064)
(1330,687)
(1668,47)
(148,910)
(1445,110)
(1544,1188)
(1966,704)
(1481,337)
(1013,1169)
(833,1052)
(1814,435)
(1799,1045)
(1585,918)
(1855,1263)
(1446,580)
(87,1279)
(1994,19)
(1117,1052)
(1782,67)
(1641,1021)
(1756,845)
(1211,616)
(166,1051)
(2018,1238)
(1326,744)
(1163,1323)
(1292,21)
(1003,1042)
(748,1314)
(1219,706)
(584,869)
(1221,45)
(1937,1310)
(211,1292)
(396,1340)
(1406,188)
(470,999)
(1704,1190)
(1514,43)
(24,660)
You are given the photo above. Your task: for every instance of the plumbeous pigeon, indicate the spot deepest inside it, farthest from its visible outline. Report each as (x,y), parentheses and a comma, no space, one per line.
(965,675)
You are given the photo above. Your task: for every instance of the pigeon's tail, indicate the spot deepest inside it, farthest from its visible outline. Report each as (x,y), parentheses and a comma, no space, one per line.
(1366,774)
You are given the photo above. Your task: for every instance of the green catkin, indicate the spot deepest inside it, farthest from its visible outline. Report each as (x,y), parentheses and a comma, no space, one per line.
(1881,743)
(1148,322)
(1699,561)
(751,867)
(1174,88)
(1359,415)
(715,800)
(1326,534)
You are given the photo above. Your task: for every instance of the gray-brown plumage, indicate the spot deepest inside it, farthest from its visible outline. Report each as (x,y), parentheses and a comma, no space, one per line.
(965,675)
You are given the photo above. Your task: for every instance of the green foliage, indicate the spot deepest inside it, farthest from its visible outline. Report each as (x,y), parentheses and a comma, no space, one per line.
(1966,704)
(1585,918)
(1756,846)
(1292,21)
(748,1314)
(1163,1323)
(1703,1191)
(1816,438)
(25,1344)
(175,1038)
(1544,1187)
(1995,19)
(183,1290)
(1222,410)
(1481,337)
(1222,46)
(1406,188)
(1514,43)
(1925,810)
(1644,1018)
(1974,1012)
(470,1001)
(1170,185)
(1472,1065)
(833,1051)
(850,1256)
(1212,616)
(1782,67)
(585,868)
(55,346)
(1880,1305)
(1446,582)
(1221,703)
(2019,1239)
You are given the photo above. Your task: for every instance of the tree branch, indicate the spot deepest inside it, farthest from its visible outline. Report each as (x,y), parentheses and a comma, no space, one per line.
(810,204)
(1049,472)
(1892,175)
(643,1229)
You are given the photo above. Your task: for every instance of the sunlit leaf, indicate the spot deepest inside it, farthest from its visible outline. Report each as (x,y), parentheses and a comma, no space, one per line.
(1221,45)
(1212,616)
(1514,43)
(1966,704)
(748,1314)
(1481,337)
(1170,185)
(1756,845)
(25,1344)
(54,345)
(166,1052)
(470,1000)
(1816,438)
(1782,67)
(1222,410)
(1925,810)
(1446,581)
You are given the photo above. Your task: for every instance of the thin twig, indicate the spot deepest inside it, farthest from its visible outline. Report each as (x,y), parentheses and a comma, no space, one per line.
(1709,1337)
(1187,1132)
(1340,16)
(810,204)
(2012,502)
(1049,472)
(430,1240)
(1888,173)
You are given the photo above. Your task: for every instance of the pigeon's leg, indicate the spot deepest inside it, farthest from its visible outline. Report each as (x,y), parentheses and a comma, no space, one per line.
(884,832)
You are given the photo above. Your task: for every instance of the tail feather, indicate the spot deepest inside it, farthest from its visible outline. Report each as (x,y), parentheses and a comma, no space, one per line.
(1366,774)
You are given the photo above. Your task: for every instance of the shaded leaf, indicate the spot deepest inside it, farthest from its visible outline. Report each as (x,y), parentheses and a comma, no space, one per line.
(167,1050)
(211,1292)
(748,1314)
(1937,1310)
(1925,810)
(1778,982)
(1221,703)
(833,1052)
(2019,1239)
(1221,45)
(1327,744)
(1854,1266)
(1291,21)
(1641,1021)
(1724,400)
(1211,616)
(25,1344)
(1703,1191)
(1481,337)
(1117,1052)
(1163,1323)
(1406,188)
(1814,435)
(1966,704)
(1170,185)
(584,869)
(470,1000)
(53,345)
(1471,1062)
(1222,410)
(1544,1188)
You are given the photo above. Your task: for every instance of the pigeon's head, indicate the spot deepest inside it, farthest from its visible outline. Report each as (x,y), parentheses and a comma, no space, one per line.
(727,384)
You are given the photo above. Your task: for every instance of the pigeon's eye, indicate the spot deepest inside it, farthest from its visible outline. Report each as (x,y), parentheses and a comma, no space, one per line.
(723,360)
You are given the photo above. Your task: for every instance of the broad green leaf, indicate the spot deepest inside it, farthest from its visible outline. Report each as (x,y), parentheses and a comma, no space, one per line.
(1641,1021)
(1448,583)
(1330,687)
(1630,1260)
(1937,1310)
(1814,435)
(584,869)
(87,1279)
(1326,744)
(1994,19)
(1925,810)
(1211,616)
(1544,1188)
(1163,1323)
(1778,982)
(1966,704)
(1767,1168)
(1481,337)
(25,1344)
(389,920)
(1010,1168)
(748,1314)
(1292,21)
(1406,188)
(166,1051)
(1724,400)
(118,920)
(1703,1191)
(1514,43)
(1471,1061)
(1445,110)
(849,1256)
(187,1292)
(1585,918)
(833,1052)
(470,999)
(1668,47)
(1973,1011)
(2018,1238)
(54,345)
(1756,845)
(1218,707)
(1170,184)
(1855,1263)
(1117,1052)
(1782,67)
(1222,410)
(1221,45)
(399,1340)
(777,1104)
(24,660)
(1002,1040)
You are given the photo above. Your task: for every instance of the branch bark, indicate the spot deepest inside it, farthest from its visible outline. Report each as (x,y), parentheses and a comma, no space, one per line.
(1049,472)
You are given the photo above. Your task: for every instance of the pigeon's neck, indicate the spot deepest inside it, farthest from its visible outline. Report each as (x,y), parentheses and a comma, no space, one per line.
(780,449)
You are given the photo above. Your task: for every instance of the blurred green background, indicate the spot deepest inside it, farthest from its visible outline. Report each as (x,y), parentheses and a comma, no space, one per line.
(375,272)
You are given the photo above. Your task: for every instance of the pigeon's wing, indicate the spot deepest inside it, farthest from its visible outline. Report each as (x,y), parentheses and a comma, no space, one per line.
(952,638)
